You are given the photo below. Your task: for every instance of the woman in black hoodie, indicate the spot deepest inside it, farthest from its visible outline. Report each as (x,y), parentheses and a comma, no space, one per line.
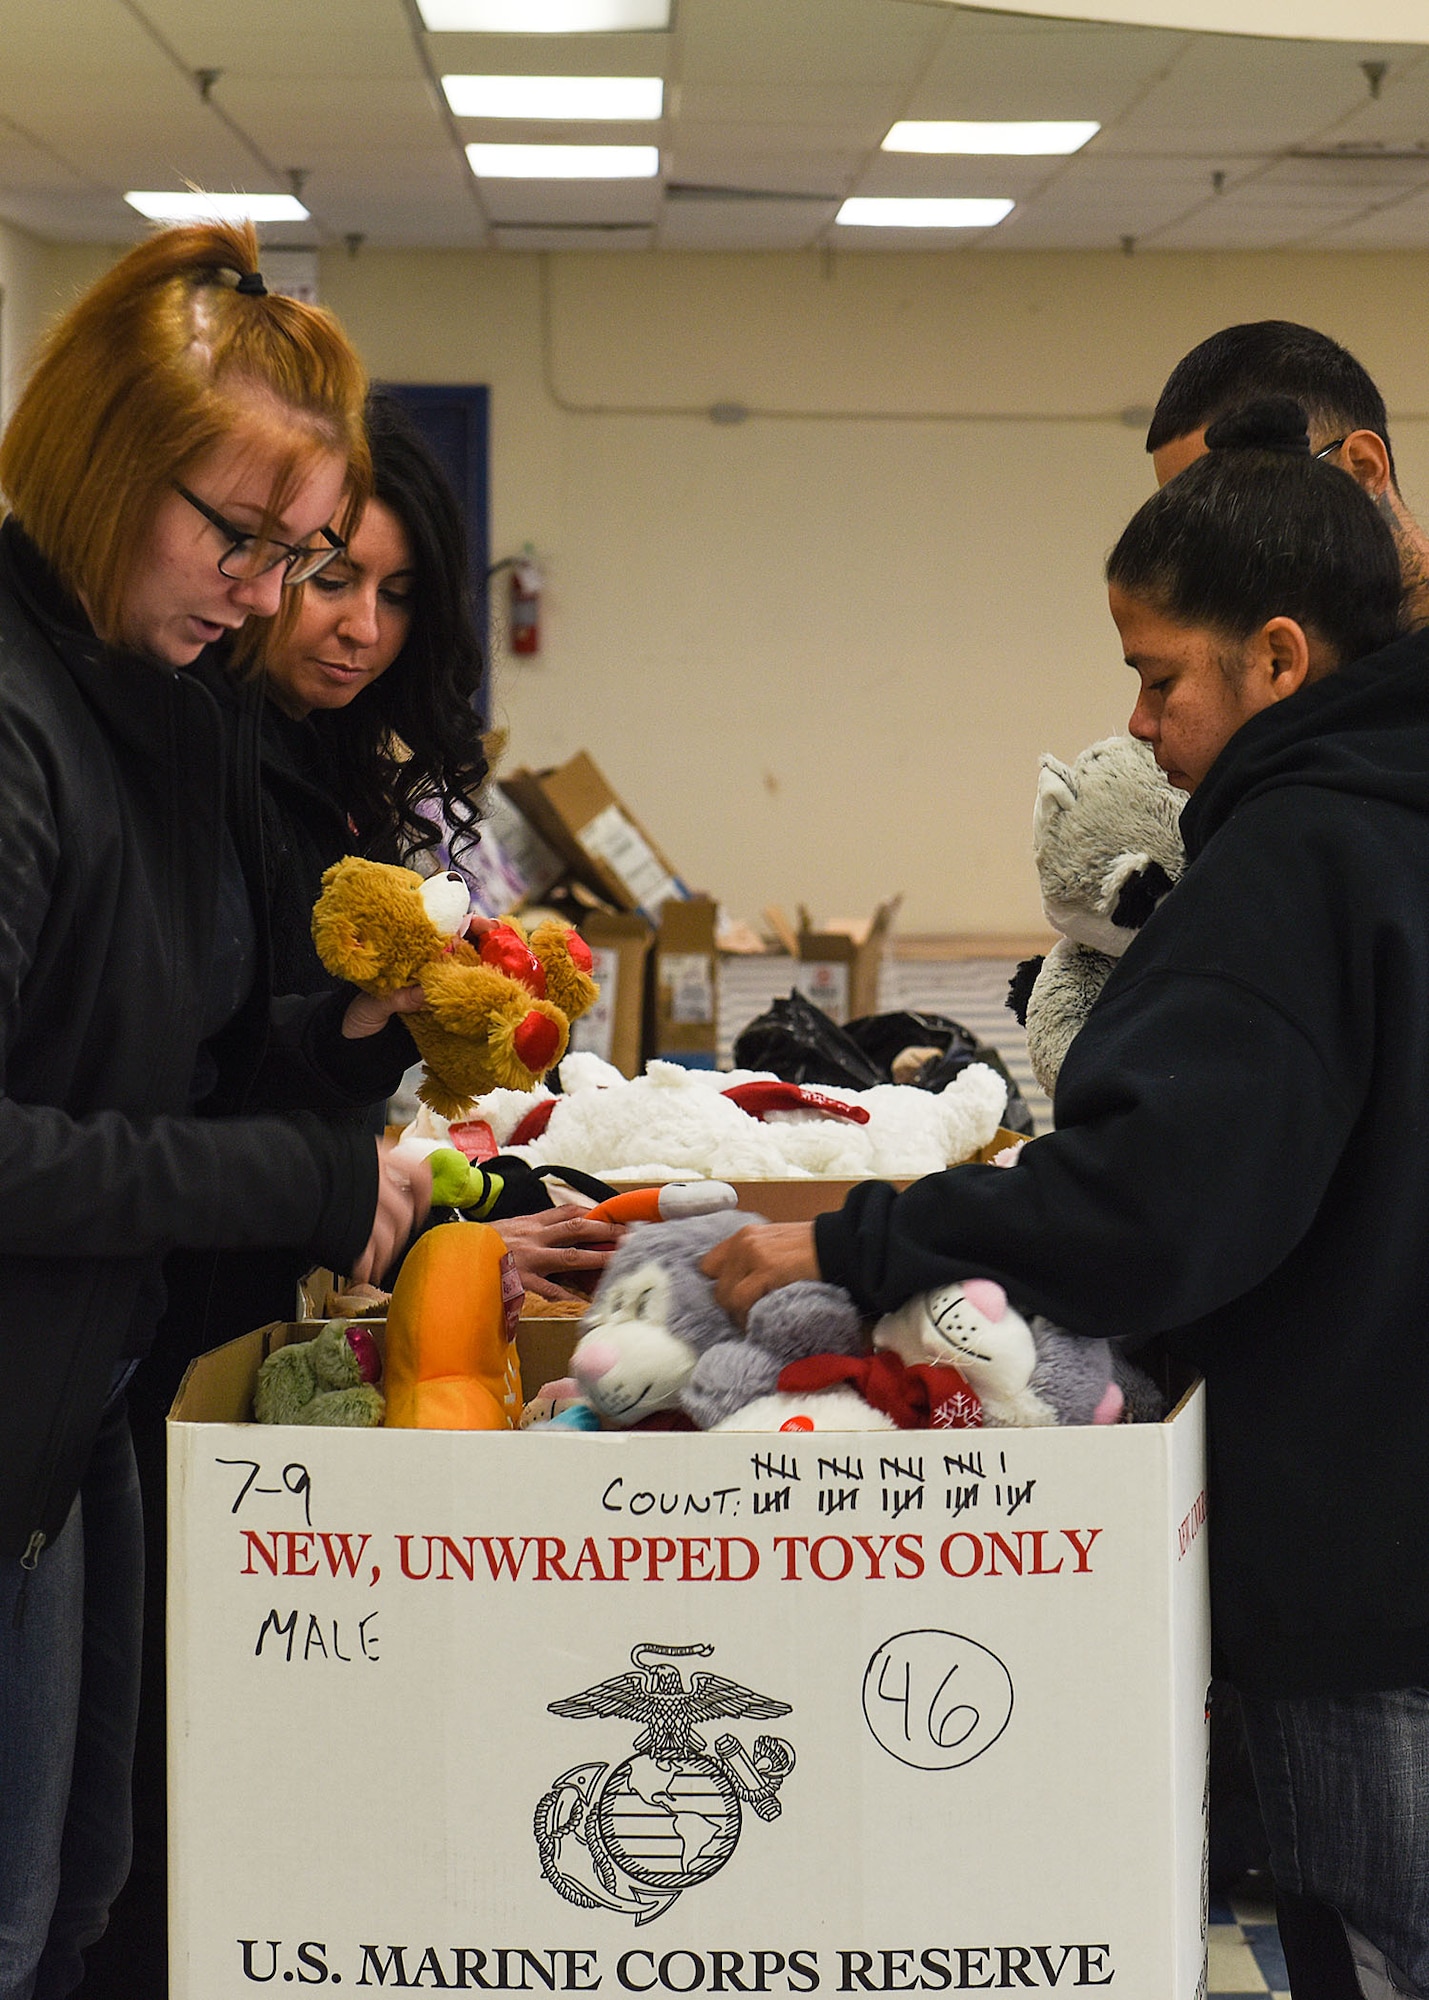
(1241,1159)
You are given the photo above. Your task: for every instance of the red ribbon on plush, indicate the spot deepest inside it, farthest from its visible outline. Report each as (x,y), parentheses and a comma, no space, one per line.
(924,1397)
(757,1098)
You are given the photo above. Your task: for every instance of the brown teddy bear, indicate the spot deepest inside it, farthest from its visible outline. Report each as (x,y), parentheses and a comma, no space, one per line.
(497,1011)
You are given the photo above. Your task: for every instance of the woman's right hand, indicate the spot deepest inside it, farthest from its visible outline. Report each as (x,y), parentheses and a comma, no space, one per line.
(404,1195)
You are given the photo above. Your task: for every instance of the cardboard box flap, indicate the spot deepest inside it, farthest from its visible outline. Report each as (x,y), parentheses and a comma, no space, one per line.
(578,811)
(857,933)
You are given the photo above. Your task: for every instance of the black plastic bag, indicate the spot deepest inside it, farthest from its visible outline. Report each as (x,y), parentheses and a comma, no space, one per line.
(798,1042)
(883,1036)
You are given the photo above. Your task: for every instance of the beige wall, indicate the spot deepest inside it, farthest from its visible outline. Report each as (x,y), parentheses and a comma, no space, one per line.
(819,651)
(24,302)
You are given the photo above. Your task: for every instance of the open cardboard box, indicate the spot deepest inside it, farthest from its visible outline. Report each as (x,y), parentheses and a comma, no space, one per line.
(575,808)
(673,1714)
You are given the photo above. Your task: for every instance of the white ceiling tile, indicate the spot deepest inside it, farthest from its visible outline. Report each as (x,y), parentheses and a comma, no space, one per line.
(275,39)
(312,120)
(730,165)
(613,237)
(546,202)
(709,223)
(82,38)
(1403,227)
(1054,69)
(797,43)
(868,108)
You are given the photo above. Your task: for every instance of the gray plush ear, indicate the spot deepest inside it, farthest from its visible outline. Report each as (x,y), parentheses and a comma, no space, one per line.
(1131,889)
(1056,793)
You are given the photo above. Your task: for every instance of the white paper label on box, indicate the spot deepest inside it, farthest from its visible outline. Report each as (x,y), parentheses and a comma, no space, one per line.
(594,1033)
(630,858)
(536,863)
(655,1714)
(688,978)
(825,982)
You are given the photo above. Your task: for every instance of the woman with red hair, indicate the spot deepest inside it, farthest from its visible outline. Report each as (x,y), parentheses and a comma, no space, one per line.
(178,456)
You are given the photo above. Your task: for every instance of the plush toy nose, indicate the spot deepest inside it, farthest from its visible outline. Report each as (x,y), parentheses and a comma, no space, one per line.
(986,1296)
(536,1041)
(593,1359)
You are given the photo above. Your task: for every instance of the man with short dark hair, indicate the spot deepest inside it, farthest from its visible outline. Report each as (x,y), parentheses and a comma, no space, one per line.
(1275,357)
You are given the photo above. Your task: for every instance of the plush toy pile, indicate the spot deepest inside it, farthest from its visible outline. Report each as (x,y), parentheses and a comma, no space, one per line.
(656,1349)
(673,1123)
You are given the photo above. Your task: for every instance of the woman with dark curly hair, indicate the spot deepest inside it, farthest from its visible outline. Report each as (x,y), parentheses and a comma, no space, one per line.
(365,699)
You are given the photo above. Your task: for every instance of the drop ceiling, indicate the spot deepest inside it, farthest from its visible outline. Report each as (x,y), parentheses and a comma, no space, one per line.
(774,114)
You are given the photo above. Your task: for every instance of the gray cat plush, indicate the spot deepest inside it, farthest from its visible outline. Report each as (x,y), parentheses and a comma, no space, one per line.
(1106,837)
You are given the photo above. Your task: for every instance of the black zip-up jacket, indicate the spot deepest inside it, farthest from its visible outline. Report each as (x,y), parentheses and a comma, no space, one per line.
(302,829)
(1241,1162)
(112,783)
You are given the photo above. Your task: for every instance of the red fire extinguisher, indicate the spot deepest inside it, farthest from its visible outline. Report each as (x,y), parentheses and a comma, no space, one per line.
(524,618)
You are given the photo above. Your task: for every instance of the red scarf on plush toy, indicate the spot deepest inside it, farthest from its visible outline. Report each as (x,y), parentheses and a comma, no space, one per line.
(922,1398)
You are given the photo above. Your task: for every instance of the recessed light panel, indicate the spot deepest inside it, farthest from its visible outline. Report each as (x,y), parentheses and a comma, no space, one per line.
(984,135)
(564,163)
(543,17)
(186,206)
(620,98)
(918,212)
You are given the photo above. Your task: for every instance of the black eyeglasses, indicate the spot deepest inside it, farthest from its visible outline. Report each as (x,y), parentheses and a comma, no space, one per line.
(248,556)
(1328,450)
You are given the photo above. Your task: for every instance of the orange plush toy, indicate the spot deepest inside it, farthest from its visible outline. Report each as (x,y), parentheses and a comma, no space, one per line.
(451,1334)
(497,1011)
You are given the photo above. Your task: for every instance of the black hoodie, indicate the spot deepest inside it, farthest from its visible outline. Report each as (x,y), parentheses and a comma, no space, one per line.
(1241,1162)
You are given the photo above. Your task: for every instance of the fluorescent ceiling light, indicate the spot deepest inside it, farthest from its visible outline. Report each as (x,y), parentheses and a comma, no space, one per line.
(615,97)
(542,17)
(186,206)
(564,163)
(983,135)
(917,212)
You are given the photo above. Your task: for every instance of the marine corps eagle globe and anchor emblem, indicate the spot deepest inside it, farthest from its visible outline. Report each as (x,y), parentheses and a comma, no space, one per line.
(632,1836)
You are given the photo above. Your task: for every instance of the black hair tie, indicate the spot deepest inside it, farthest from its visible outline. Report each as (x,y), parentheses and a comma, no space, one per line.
(252,286)
(1273,423)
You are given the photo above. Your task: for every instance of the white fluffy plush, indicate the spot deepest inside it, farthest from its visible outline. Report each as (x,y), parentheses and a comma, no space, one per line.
(674,1123)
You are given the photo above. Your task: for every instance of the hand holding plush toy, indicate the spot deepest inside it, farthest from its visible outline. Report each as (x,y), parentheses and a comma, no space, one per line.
(497,1012)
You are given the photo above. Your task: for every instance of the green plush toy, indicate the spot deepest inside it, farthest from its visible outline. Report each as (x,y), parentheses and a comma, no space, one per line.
(458,1182)
(327,1380)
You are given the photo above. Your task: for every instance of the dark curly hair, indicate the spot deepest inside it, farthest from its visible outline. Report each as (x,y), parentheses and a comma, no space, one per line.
(415,733)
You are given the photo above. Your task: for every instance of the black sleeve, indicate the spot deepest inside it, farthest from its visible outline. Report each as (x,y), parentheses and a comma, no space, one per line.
(1201,1112)
(311,1065)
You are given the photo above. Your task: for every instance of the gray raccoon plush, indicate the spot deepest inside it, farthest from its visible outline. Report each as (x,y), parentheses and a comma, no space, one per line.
(1106,837)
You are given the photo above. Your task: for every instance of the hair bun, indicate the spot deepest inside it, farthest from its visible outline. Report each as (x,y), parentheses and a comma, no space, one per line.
(1274,423)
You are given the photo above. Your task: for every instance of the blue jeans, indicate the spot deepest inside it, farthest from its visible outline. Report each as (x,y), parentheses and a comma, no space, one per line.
(1344,1789)
(69,1690)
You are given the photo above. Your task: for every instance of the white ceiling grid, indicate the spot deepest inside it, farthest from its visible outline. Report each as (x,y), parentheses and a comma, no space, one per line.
(775,110)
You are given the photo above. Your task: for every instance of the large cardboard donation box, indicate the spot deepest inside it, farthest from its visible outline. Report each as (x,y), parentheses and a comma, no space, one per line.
(670,1714)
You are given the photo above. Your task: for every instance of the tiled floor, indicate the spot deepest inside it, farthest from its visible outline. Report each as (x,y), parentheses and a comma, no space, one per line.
(1246,1959)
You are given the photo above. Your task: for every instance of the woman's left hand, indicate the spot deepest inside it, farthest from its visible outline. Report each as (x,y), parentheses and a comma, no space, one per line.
(369,1013)
(556,1243)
